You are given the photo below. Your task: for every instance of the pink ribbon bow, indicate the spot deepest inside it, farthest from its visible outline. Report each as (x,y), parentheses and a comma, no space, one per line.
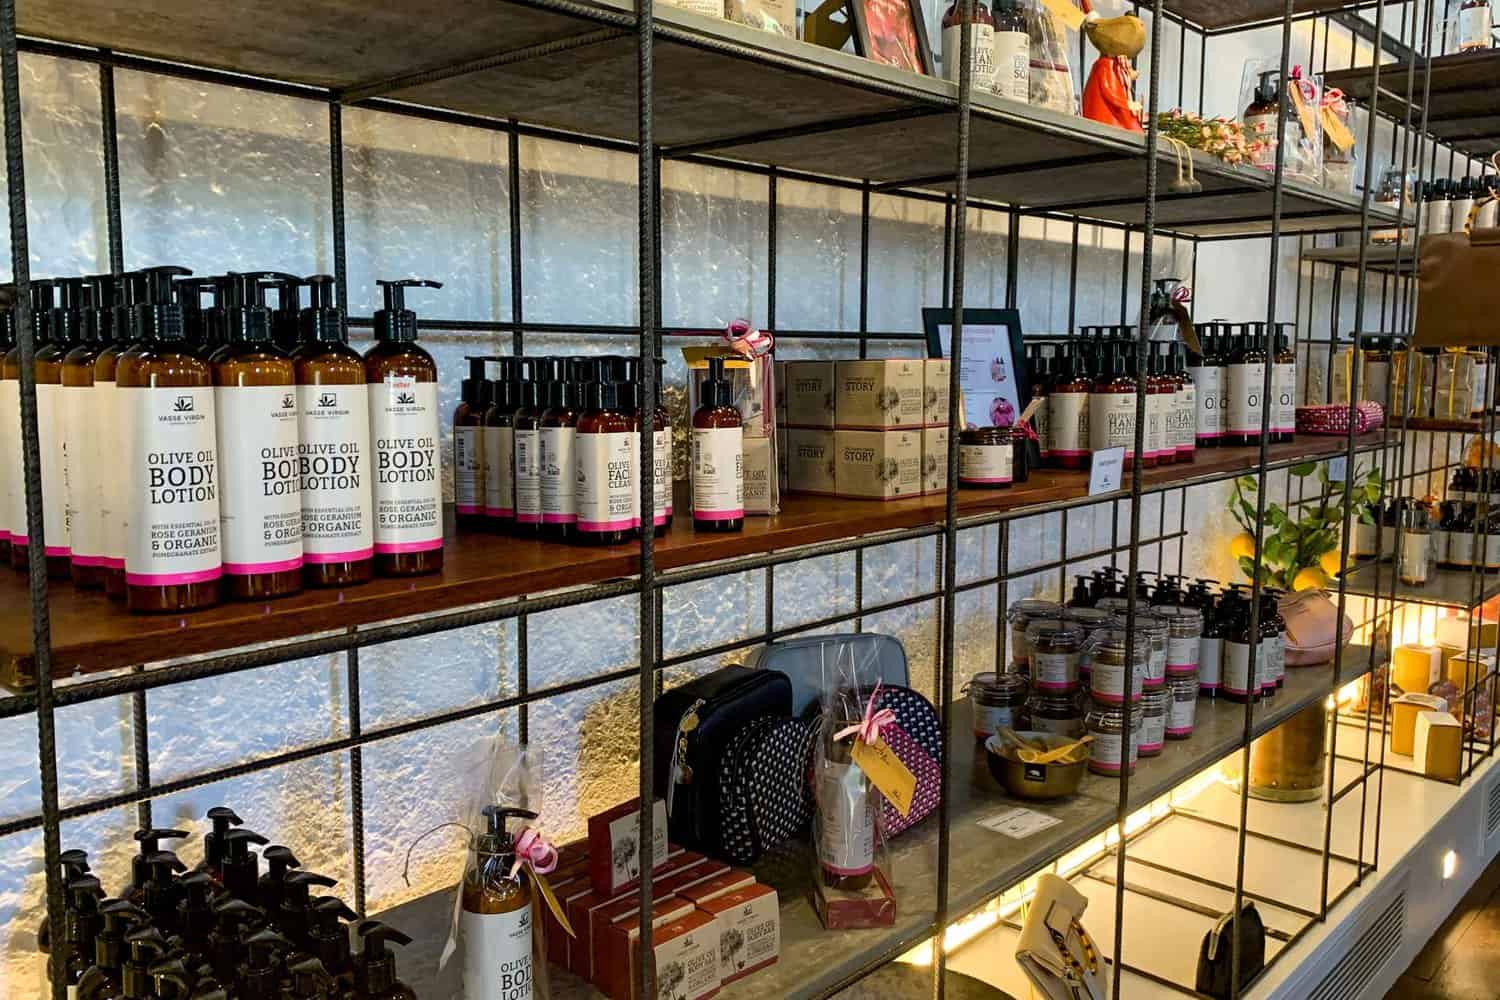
(1309,91)
(1182,294)
(1027,431)
(748,341)
(1333,100)
(533,849)
(868,728)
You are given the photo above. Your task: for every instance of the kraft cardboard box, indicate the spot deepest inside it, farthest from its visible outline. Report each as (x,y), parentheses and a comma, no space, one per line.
(935,460)
(809,394)
(879,395)
(877,465)
(935,373)
(1439,744)
(809,461)
(749,930)
(759,475)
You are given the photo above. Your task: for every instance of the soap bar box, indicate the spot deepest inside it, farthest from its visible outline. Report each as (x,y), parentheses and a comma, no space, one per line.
(809,461)
(877,465)
(749,930)
(880,395)
(809,394)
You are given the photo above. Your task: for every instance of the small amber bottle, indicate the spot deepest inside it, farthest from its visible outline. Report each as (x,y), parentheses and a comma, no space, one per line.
(557,468)
(408,489)
(114,326)
(499,443)
(172,557)
(255,405)
(608,490)
(718,456)
(59,326)
(525,423)
(333,423)
(82,439)
(468,449)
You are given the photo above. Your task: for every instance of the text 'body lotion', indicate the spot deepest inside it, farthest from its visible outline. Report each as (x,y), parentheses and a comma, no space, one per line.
(172,554)
(338,542)
(408,488)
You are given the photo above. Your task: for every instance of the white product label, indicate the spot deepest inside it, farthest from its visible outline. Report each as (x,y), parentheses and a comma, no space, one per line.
(625,866)
(1414,556)
(49,423)
(1460,548)
(114,490)
(1247,385)
(528,476)
(1153,731)
(1210,659)
(173,475)
(333,423)
(1018,824)
(1364,539)
(846,819)
(408,493)
(1112,421)
(990,719)
(1107,681)
(986,464)
(81,450)
(1278,657)
(1237,667)
(1208,421)
(1182,651)
(1185,418)
(661,461)
(1284,394)
(1481,371)
(1440,216)
(1474,28)
(981,55)
(10,455)
(1068,423)
(696,955)
(1104,752)
(499,473)
(1157,405)
(497,954)
(1156,665)
(468,470)
(606,481)
(718,474)
(1182,707)
(1041,422)
(557,473)
(1013,65)
(1058,671)
(260,503)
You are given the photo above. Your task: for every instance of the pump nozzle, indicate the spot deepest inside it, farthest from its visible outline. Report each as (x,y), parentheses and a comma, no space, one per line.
(171,973)
(245,304)
(150,840)
(156,314)
(375,972)
(395,321)
(222,817)
(1266,90)
(309,978)
(279,861)
(260,959)
(322,320)
(294,897)
(327,933)
(241,865)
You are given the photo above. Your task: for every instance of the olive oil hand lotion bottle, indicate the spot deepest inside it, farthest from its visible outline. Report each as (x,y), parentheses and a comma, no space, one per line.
(408,490)
(167,395)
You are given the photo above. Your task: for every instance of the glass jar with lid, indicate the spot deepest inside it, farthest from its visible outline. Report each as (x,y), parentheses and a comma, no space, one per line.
(1184,636)
(1091,620)
(1108,663)
(1151,632)
(998,700)
(1054,645)
(1154,721)
(1111,749)
(1056,712)
(1022,614)
(1182,709)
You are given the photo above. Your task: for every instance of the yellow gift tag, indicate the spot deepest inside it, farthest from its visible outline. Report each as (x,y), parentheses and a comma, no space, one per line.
(887,773)
(1338,133)
(1304,111)
(552,903)
(1067,13)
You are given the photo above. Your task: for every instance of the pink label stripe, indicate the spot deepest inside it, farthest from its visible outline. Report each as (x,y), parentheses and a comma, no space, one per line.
(529,518)
(848,871)
(88,560)
(1153,683)
(499,512)
(1150,747)
(324,558)
(619,525)
(61,551)
(987,480)
(1205,686)
(1054,686)
(1100,765)
(1181,668)
(396,548)
(4,536)
(468,508)
(173,579)
(250,569)
(661,519)
(720,515)
(1179,730)
(559,518)
(111,562)
(879,427)
(1070,452)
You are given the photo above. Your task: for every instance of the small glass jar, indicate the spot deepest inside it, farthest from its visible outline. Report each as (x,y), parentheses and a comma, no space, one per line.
(1022,613)
(1184,633)
(1154,721)
(1091,620)
(998,701)
(1111,749)
(1054,645)
(1108,663)
(1055,712)
(1182,710)
(1151,632)
(987,457)
(1114,605)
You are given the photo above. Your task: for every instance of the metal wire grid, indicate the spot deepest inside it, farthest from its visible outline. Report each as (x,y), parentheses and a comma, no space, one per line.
(45,700)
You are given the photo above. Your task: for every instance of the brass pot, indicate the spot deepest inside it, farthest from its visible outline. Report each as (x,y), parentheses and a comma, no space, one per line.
(1034,781)
(1288,764)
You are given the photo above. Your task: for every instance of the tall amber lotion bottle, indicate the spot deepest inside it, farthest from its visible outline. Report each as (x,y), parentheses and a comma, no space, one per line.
(86,459)
(408,489)
(338,544)
(115,324)
(59,327)
(255,402)
(496,921)
(172,553)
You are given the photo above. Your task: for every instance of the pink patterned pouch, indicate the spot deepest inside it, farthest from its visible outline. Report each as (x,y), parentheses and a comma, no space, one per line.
(1335,418)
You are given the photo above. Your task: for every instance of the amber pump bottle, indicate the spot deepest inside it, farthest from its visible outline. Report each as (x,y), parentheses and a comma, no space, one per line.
(468,451)
(1112,405)
(524,467)
(375,970)
(255,402)
(499,443)
(81,433)
(172,558)
(10,415)
(94,549)
(333,424)
(557,461)
(718,456)
(496,923)
(1283,387)
(115,315)
(408,489)
(1247,376)
(608,491)
(1068,410)
(59,328)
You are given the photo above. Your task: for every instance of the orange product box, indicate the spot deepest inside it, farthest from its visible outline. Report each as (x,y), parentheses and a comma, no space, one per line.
(685,959)
(619,935)
(749,930)
(715,887)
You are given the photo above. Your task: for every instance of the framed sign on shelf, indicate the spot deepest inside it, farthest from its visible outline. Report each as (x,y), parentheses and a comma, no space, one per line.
(992,371)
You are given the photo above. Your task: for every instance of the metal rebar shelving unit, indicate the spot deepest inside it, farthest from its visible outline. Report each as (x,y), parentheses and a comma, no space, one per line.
(677,87)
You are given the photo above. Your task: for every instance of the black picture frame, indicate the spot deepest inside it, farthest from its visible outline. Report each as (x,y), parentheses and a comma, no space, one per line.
(867,47)
(980,384)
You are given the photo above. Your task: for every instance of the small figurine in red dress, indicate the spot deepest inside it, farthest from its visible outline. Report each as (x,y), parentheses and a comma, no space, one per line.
(1107,95)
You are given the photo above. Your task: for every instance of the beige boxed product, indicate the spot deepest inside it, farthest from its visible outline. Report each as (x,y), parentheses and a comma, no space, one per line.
(759,470)
(935,372)
(877,465)
(809,394)
(776,16)
(935,459)
(1439,745)
(879,395)
(809,461)
(749,930)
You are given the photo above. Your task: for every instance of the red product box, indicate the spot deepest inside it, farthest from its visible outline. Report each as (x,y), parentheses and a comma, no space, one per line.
(619,934)
(576,905)
(685,959)
(715,887)
(557,938)
(614,846)
(689,875)
(749,930)
(572,853)
(872,906)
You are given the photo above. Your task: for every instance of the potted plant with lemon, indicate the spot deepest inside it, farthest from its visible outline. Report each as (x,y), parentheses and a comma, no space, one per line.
(1302,552)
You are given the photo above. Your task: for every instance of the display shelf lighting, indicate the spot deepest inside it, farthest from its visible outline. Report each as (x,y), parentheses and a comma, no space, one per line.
(1450,864)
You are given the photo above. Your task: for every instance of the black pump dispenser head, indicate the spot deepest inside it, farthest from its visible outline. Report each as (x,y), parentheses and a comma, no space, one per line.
(222,818)
(70,318)
(170,980)
(260,972)
(42,309)
(194,912)
(375,973)
(279,860)
(245,305)
(327,933)
(107,318)
(1266,91)
(716,390)
(224,948)
(309,978)
(322,320)
(472,389)
(242,865)
(146,946)
(294,898)
(395,321)
(159,895)
(284,318)
(157,314)
(150,839)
